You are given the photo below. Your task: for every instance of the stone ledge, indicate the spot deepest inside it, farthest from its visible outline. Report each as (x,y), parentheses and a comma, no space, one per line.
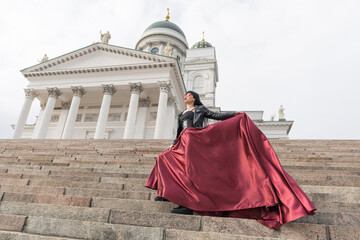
(79,201)
(133,205)
(12,222)
(55,211)
(89,230)
(5,235)
(254,228)
(183,222)
(174,234)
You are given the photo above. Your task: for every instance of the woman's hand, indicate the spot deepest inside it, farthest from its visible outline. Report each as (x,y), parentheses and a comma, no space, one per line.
(169,147)
(237,113)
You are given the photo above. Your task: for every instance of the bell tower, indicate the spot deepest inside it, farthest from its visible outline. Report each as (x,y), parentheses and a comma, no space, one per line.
(201,72)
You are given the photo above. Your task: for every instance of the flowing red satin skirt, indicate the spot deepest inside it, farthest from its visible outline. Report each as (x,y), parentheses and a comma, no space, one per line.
(229,169)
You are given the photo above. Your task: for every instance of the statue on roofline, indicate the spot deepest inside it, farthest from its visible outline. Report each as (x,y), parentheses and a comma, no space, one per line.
(105,37)
(281,112)
(44,59)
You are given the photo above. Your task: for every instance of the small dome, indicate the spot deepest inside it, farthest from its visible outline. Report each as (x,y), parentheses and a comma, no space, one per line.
(202,44)
(166,24)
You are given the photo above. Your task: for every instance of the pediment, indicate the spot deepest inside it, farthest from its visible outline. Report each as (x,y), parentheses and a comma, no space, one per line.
(98,55)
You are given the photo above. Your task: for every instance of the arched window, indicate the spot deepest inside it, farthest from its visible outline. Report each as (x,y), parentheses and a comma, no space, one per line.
(199,85)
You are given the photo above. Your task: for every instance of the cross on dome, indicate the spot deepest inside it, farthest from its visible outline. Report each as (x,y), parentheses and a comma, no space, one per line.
(168,15)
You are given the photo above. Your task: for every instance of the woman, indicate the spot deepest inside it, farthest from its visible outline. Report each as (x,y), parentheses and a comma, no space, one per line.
(226,169)
(196,113)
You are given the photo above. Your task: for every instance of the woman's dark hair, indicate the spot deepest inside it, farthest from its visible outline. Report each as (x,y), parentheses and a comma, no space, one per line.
(196,96)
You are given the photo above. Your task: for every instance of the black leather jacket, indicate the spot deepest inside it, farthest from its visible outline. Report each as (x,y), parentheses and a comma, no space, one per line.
(200,113)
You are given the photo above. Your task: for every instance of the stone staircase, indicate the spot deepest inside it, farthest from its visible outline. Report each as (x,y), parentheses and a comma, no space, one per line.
(94,189)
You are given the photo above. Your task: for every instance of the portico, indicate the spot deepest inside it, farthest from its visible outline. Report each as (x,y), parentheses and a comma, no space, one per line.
(114,101)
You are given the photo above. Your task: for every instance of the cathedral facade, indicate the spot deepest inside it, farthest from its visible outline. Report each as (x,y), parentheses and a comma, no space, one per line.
(103,91)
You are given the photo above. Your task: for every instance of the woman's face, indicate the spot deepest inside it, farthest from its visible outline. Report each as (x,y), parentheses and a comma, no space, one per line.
(189,98)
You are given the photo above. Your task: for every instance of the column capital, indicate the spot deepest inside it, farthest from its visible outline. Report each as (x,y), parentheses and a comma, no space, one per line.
(164,86)
(136,87)
(65,105)
(54,92)
(30,93)
(78,91)
(109,89)
(144,102)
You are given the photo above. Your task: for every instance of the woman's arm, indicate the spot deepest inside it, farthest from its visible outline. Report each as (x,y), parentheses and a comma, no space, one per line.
(218,116)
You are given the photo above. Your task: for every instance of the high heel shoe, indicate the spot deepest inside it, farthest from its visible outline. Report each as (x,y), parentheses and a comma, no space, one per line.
(182,210)
(160,199)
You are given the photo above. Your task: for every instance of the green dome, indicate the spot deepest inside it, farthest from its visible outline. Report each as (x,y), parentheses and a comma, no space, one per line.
(166,24)
(201,44)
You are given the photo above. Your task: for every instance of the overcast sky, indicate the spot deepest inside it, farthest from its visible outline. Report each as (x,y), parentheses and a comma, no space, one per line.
(302,54)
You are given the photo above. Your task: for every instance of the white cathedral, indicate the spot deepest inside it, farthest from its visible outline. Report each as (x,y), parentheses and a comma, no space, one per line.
(104,91)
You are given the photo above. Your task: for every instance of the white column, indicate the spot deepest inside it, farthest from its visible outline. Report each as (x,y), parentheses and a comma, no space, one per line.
(109,90)
(62,119)
(54,93)
(30,94)
(148,47)
(38,120)
(78,92)
(144,104)
(162,107)
(170,116)
(136,88)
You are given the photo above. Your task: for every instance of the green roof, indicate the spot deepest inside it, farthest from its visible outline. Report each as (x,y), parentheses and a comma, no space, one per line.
(201,44)
(166,24)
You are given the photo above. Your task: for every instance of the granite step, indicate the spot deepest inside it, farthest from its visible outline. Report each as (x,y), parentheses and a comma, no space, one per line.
(11,222)
(323,172)
(75,184)
(95,230)
(337,207)
(89,230)
(146,205)
(144,195)
(142,219)
(321,161)
(114,216)
(88,192)
(289,230)
(335,219)
(55,211)
(174,234)
(30,189)
(326,168)
(10,175)
(7,235)
(136,204)
(79,201)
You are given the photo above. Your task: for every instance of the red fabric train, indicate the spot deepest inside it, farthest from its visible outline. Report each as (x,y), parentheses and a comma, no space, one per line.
(229,169)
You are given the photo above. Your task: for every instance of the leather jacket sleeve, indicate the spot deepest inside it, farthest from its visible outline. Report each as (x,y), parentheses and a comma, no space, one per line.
(217,116)
(201,113)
